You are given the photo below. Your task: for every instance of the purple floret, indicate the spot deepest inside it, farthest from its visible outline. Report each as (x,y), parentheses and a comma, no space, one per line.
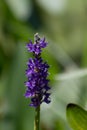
(37,71)
(36,48)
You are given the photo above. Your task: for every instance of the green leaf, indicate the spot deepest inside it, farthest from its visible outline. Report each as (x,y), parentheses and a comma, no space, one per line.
(77,117)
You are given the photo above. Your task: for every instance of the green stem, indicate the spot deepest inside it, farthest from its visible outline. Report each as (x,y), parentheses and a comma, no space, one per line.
(37,118)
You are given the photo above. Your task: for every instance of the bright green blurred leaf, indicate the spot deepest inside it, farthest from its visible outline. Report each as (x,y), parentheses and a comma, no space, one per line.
(77,117)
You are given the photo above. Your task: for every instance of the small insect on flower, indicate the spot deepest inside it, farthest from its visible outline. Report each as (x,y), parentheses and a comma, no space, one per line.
(37,83)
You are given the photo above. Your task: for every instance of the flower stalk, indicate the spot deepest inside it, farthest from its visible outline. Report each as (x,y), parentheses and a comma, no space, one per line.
(37,118)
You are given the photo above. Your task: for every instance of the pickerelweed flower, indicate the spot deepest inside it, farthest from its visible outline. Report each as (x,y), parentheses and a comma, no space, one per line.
(37,71)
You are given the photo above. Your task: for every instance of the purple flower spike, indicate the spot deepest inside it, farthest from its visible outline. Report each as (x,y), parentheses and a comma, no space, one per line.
(37,71)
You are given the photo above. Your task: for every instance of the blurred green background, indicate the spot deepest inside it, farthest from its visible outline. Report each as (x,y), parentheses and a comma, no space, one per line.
(64,24)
